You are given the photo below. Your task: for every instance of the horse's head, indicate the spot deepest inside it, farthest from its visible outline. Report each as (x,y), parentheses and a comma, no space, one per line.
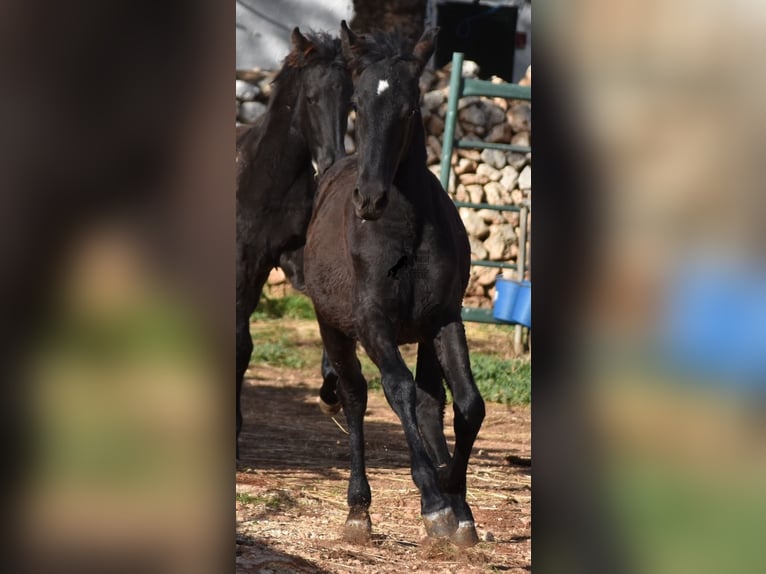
(386,69)
(323,94)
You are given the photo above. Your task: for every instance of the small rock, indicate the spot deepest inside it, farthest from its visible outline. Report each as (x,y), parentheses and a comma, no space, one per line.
(246,91)
(431,156)
(475,192)
(469,101)
(491,217)
(521,138)
(465,165)
(512,218)
(484,276)
(517,160)
(488,536)
(520,117)
(435,125)
(433,143)
(473,154)
(486,169)
(517,197)
(433,99)
(250,111)
(473,178)
(493,192)
(494,114)
(494,157)
(473,115)
(501,133)
(474,225)
(501,239)
(525,178)
(505,196)
(509,177)
(470,68)
(478,251)
(276,276)
(265,86)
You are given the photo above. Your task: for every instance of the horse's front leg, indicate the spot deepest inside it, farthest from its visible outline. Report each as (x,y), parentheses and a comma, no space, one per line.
(452,352)
(378,336)
(352,389)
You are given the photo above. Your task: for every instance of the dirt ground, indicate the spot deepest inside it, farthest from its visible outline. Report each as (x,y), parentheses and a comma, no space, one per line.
(293,473)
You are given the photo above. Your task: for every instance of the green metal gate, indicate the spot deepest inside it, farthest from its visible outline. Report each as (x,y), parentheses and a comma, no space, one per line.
(461,87)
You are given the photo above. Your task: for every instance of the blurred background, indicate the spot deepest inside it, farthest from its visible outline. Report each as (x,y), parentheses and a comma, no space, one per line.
(117,179)
(665,338)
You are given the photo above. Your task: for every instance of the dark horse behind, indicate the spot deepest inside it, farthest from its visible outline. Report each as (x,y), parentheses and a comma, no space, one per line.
(387,262)
(304,124)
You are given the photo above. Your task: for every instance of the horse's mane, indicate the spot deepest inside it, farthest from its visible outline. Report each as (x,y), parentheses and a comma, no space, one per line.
(325,49)
(378,45)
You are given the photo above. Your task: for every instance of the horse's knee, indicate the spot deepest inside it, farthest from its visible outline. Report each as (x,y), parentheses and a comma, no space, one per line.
(471,409)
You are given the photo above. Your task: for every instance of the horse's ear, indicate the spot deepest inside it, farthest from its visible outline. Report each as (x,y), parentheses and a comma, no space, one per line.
(301,44)
(349,42)
(425,46)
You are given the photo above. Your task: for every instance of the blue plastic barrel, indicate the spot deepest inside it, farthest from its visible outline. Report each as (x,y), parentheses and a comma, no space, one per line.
(506,291)
(522,307)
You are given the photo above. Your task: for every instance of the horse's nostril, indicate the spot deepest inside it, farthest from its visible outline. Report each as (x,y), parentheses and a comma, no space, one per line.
(356,194)
(382,201)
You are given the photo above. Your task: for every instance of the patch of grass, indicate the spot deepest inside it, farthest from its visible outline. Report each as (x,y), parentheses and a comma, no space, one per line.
(278,352)
(506,381)
(245,498)
(290,306)
(274,500)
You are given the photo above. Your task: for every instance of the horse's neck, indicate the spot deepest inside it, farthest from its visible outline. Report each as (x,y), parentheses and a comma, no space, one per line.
(283,131)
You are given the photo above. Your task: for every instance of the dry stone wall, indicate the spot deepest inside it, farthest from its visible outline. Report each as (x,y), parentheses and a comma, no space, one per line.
(487,176)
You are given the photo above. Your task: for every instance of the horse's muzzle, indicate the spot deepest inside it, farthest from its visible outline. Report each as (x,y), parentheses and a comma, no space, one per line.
(369,206)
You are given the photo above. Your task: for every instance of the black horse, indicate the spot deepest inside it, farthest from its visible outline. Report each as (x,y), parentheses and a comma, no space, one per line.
(387,262)
(305,123)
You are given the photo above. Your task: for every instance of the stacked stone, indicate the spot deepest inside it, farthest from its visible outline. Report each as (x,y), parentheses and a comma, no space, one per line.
(252,89)
(487,176)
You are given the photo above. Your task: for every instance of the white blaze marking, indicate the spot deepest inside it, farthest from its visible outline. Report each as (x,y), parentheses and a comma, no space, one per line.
(382,86)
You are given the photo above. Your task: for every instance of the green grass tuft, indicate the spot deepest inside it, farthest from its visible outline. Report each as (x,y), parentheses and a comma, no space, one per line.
(506,381)
(281,352)
(290,306)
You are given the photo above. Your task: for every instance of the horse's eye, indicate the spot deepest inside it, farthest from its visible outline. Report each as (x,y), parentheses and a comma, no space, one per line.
(312,99)
(352,105)
(413,111)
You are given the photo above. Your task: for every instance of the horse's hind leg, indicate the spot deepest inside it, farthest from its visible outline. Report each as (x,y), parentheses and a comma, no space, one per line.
(452,351)
(352,390)
(250,281)
(430,405)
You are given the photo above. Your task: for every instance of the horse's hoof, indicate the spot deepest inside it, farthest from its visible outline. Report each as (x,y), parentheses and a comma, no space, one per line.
(329,409)
(358,528)
(465,536)
(440,524)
